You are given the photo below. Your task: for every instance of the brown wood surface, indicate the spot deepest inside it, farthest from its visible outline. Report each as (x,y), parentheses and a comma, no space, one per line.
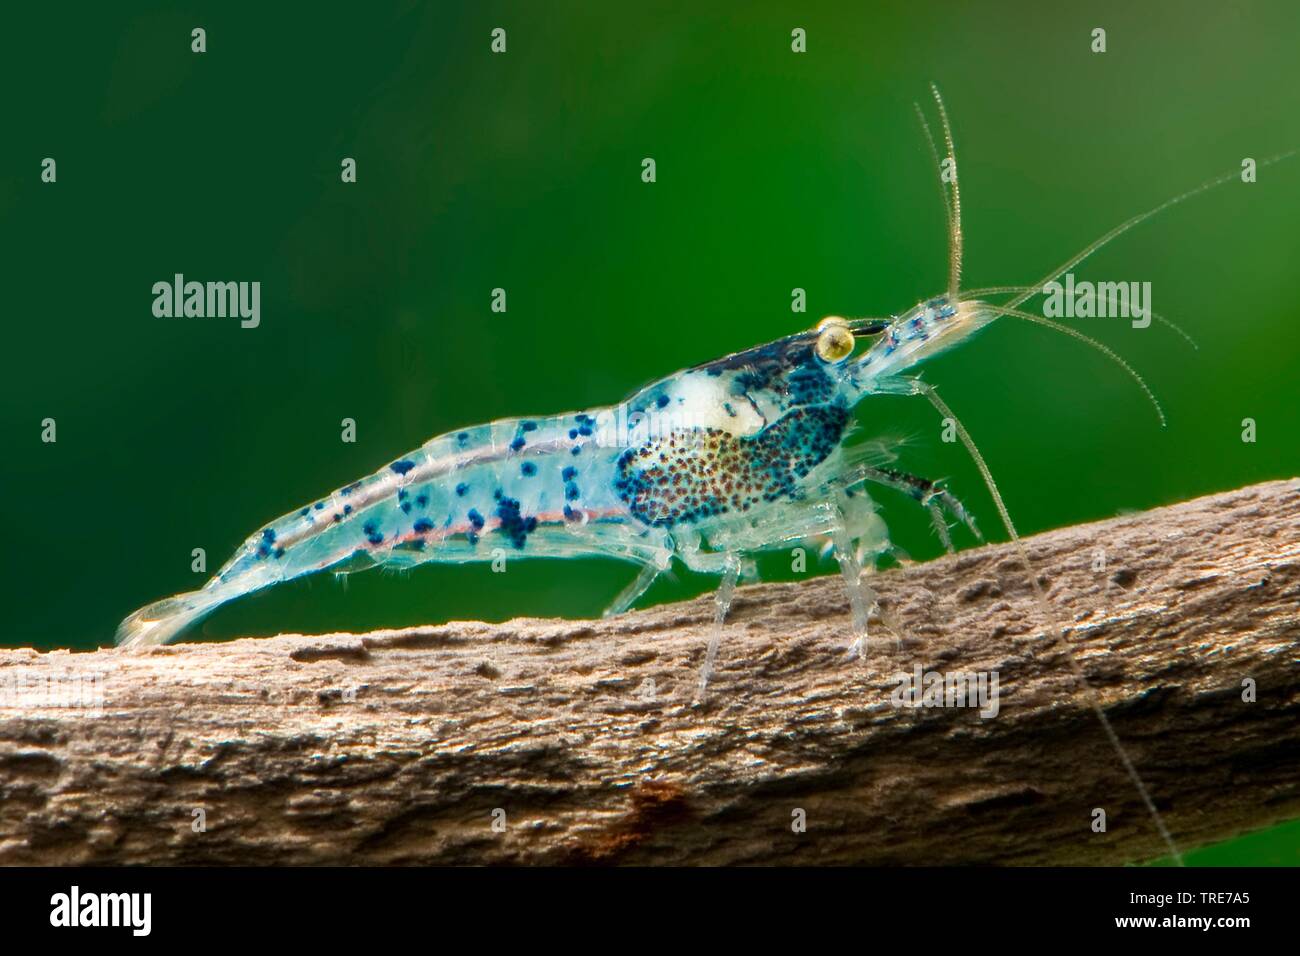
(398,746)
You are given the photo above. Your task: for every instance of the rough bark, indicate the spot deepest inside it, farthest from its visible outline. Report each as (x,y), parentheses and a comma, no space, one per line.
(400,746)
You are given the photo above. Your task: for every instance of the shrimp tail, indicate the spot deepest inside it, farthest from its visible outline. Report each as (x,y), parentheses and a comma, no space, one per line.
(164,620)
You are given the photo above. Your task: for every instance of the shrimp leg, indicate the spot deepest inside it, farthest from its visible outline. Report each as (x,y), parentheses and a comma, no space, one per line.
(721,605)
(638,586)
(862,597)
(731,566)
(934,498)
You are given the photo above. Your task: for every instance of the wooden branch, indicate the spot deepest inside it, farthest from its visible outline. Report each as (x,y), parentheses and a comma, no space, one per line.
(399,746)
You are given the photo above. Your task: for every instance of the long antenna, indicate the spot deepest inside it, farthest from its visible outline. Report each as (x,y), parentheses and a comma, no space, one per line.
(954,215)
(938,172)
(1087,340)
(1140,218)
(1036,290)
(1056,630)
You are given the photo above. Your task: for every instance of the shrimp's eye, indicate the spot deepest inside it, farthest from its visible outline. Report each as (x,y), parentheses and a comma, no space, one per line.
(834,340)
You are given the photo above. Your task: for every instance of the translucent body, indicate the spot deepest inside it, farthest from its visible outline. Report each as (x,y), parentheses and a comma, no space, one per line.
(735,456)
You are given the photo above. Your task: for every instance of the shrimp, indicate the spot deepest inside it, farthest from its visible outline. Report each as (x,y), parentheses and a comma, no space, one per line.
(707,466)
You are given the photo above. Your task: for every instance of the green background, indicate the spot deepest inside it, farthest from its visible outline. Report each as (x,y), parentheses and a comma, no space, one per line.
(522,171)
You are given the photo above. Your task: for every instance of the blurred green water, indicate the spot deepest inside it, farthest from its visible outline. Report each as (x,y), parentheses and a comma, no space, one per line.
(522,171)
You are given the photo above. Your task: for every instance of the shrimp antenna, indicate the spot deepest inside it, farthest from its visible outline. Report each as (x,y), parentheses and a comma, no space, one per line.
(1056,631)
(1137,220)
(938,171)
(1035,290)
(951,204)
(954,216)
(1087,340)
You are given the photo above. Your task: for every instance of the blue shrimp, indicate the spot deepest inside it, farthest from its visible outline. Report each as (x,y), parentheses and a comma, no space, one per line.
(707,466)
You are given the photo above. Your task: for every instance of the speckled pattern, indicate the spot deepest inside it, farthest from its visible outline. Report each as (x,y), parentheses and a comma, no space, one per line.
(688,477)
